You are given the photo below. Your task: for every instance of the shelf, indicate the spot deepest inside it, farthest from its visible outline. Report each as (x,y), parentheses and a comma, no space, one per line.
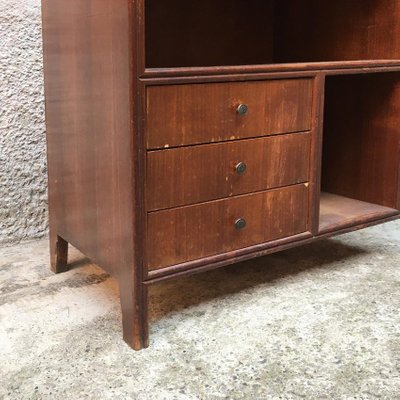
(338,212)
(271,34)
(330,67)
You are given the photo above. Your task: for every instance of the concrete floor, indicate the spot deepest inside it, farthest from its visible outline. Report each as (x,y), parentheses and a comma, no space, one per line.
(318,322)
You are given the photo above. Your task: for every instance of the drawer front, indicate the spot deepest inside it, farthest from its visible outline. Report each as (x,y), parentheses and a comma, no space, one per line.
(195,174)
(178,115)
(193,232)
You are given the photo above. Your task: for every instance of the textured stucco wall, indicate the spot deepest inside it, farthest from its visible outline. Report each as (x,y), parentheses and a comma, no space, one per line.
(23,195)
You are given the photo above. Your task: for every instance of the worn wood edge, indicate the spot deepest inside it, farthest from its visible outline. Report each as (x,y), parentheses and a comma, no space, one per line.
(227,259)
(219,198)
(398,180)
(316,151)
(216,78)
(217,142)
(245,77)
(283,67)
(140,321)
(363,221)
(58,253)
(362,225)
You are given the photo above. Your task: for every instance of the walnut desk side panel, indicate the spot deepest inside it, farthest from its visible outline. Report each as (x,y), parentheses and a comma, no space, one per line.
(89,86)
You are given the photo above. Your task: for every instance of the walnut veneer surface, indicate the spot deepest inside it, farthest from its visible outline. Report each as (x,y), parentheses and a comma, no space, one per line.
(184,136)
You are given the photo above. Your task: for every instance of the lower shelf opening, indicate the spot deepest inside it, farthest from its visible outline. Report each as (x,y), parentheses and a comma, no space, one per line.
(361,149)
(338,212)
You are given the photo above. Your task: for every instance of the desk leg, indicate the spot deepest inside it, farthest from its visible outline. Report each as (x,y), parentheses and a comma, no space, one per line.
(58,253)
(134,305)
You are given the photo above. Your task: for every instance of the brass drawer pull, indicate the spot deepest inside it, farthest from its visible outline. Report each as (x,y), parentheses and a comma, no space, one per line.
(242,109)
(241,168)
(240,224)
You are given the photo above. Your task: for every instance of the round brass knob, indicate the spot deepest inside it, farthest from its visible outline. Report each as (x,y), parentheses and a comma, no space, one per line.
(240,224)
(241,168)
(242,109)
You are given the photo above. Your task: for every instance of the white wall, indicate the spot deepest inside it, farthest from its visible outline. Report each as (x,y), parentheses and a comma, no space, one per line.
(23,196)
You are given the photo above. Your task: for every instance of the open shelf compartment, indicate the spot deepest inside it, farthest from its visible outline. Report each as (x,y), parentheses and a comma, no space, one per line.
(207,33)
(361,150)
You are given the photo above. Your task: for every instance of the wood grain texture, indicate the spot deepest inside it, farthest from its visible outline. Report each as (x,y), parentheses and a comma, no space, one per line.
(251,32)
(341,30)
(192,232)
(361,156)
(107,116)
(215,32)
(159,76)
(58,253)
(261,250)
(195,174)
(338,212)
(316,151)
(190,114)
(88,59)
(88,124)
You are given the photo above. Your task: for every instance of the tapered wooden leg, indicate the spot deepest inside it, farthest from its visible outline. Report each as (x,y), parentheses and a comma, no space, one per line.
(58,253)
(134,305)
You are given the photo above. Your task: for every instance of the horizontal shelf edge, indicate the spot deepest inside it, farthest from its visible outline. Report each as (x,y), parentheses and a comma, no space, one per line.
(269,68)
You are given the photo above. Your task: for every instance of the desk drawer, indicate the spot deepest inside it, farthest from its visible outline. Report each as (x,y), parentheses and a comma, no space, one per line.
(195,174)
(193,232)
(178,115)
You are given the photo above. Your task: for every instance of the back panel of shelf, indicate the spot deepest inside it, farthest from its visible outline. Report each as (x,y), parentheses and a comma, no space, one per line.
(361,147)
(252,32)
